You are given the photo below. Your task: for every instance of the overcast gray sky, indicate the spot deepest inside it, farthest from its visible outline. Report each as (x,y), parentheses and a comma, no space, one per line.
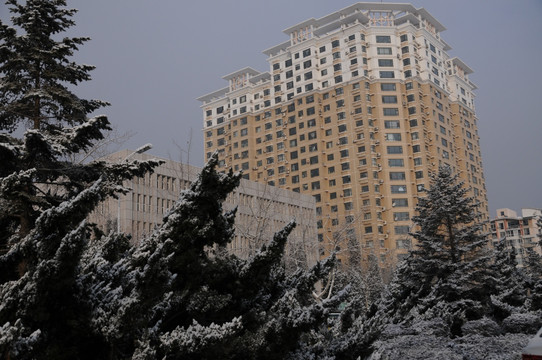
(154,58)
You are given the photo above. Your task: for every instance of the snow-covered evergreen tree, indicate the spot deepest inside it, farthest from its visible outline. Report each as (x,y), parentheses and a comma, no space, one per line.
(448,264)
(508,284)
(439,286)
(44,198)
(181,295)
(36,71)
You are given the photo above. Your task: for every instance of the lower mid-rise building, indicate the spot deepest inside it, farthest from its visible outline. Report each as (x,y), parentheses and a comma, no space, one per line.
(261,209)
(520,232)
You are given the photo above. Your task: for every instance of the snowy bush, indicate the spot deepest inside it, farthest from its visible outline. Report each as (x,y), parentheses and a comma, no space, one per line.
(483,327)
(523,323)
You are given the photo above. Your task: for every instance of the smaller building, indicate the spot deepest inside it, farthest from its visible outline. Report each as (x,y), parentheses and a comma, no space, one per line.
(261,209)
(520,232)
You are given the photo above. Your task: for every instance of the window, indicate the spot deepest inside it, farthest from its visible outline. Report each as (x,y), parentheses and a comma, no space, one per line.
(401,216)
(383,50)
(335,43)
(416,148)
(397,175)
(404,50)
(346,179)
(392,124)
(393,137)
(389,99)
(398,189)
(348,206)
(399,202)
(387,86)
(419,174)
(385,62)
(390,111)
(417,161)
(394,149)
(412,110)
(306,52)
(404,37)
(383,39)
(387,74)
(401,229)
(344,153)
(396,163)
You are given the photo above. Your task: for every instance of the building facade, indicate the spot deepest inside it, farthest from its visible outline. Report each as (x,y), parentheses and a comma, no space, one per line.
(520,232)
(261,209)
(357,109)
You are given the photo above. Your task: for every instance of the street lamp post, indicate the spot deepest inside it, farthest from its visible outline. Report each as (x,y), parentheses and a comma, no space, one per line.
(139,150)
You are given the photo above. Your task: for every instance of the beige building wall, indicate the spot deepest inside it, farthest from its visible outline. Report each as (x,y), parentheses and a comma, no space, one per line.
(261,210)
(520,232)
(358,108)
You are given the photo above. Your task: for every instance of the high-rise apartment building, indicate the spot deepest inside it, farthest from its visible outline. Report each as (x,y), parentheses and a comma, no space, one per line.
(262,210)
(520,233)
(357,109)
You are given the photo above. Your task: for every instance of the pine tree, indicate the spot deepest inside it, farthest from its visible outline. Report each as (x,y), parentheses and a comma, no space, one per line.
(508,285)
(36,71)
(180,294)
(449,260)
(44,199)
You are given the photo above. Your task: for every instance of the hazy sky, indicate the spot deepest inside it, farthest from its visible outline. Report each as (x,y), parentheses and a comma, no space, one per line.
(154,58)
